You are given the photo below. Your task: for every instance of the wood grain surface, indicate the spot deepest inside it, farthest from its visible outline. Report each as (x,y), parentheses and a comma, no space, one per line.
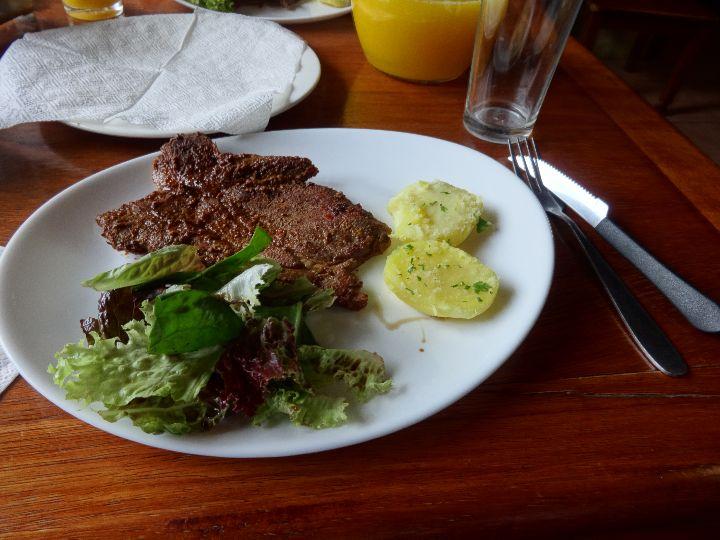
(574,436)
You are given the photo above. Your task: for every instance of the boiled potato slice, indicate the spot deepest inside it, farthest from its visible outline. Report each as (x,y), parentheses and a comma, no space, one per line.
(440,280)
(434,211)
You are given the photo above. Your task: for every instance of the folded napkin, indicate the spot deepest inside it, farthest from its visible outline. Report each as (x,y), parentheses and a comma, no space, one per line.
(204,71)
(8,371)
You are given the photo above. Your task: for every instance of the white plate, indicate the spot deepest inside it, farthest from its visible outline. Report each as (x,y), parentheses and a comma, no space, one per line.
(306,12)
(41,300)
(305,81)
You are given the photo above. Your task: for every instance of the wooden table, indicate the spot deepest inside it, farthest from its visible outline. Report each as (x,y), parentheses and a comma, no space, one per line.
(575,434)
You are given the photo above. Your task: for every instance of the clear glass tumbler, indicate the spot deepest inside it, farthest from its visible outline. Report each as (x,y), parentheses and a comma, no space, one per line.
(517,48)
(93,10)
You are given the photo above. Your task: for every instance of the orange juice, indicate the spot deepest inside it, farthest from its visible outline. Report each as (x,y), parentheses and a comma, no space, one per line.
(93,10)
(420,40)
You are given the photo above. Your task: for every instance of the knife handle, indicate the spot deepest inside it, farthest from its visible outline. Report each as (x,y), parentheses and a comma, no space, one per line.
(698,309)
(651,340)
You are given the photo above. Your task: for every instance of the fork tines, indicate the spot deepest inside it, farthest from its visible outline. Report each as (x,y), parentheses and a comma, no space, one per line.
(526,150)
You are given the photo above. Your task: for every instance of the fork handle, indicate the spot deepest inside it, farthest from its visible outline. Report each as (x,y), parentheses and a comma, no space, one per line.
(651,340)
(698,309)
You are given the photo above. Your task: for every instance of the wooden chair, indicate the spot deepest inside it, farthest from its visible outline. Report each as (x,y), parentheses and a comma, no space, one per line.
(694,20)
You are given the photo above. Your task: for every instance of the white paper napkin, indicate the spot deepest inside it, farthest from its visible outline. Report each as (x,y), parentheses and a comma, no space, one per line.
(8,371)
(204,71)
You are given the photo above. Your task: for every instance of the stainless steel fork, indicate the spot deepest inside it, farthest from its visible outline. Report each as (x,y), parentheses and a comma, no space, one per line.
(651,340)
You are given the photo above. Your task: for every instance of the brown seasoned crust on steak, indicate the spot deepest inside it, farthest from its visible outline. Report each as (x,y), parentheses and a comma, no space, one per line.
(193,161)
(316,230)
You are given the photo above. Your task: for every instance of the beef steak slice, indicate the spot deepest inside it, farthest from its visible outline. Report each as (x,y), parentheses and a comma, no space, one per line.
(214,201)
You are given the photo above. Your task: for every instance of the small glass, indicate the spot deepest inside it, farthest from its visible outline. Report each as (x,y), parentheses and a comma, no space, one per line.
(517,48)
(93,10)
(418,40)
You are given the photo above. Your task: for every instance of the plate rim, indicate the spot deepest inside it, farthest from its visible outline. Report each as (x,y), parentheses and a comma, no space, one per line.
(172,444)
(281,20)
(309,60)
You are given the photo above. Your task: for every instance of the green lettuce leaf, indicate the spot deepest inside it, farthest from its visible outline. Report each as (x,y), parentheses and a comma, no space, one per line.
(216,5)
(280,293)
(303,408)
(188,320)
(294,314)
(283,293)
(362,371)
(217,275)
(157,392)
(243,291)
(161,415)
(151,267)
(320,299)
(116,373)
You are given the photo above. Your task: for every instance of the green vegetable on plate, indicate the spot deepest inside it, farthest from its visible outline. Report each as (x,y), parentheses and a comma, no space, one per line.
(215,5)
(208,343)
(163,263)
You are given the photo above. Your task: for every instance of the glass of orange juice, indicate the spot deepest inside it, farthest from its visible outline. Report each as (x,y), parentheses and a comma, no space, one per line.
(93,10)
(418,40)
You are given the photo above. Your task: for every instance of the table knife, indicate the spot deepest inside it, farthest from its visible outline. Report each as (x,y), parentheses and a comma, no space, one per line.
(702,312)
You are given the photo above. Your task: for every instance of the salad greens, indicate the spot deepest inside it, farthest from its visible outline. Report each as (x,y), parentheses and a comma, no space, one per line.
(159,264)
(187,321)
(214,277)
(243,291)
(362,371)
(229,5)
(126,377)
(217,5)
(192,345)
(303,408)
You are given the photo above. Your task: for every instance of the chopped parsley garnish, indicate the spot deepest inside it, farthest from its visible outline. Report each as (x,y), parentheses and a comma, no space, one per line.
(409,248)
(462,285)
(443,208)
(480,286)
(445,192)
(477,287)
(482,224)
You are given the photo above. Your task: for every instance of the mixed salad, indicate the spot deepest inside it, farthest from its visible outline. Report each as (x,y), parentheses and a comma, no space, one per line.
(177,347)
(229,5)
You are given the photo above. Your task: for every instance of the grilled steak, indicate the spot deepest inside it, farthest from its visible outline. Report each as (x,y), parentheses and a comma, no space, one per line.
(215,200)
(193,161)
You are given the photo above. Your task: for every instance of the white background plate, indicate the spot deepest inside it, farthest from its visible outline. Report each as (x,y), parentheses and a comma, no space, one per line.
(306,12)
(41,300)
(305,81)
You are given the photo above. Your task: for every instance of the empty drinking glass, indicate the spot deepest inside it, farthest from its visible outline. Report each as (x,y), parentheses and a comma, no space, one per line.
(517,48)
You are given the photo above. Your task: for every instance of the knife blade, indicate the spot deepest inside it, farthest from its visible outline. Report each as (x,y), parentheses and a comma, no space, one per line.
(702,312)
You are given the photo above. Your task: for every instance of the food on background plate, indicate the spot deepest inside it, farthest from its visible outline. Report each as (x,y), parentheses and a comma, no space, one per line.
(435,211)
(427,272)
(440,280)
(230,5)
(178,346)
(215,200)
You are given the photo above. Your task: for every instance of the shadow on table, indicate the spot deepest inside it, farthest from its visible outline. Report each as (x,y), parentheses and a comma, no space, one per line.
(324,107)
